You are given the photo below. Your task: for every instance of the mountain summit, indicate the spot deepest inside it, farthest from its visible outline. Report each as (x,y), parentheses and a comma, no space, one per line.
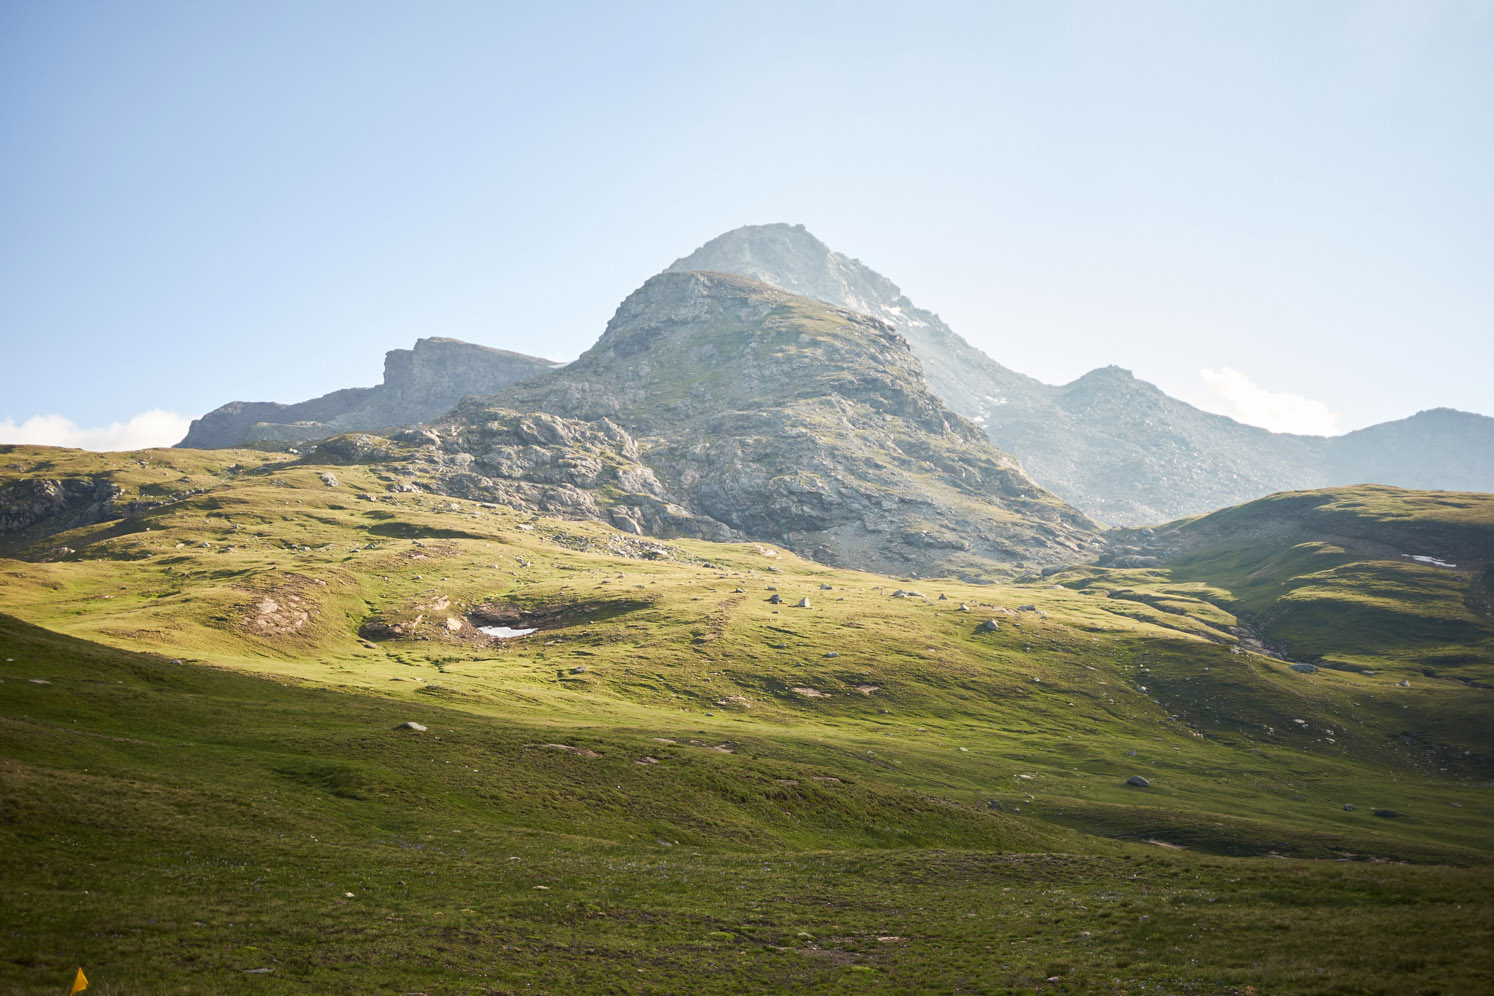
(788,256)
(780,418)
(1117,447)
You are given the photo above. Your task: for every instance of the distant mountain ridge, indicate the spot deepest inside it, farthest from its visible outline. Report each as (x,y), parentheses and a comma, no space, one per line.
(1118,448)
(419,384)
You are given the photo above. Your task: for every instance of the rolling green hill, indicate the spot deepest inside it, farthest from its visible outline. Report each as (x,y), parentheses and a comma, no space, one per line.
(684,780)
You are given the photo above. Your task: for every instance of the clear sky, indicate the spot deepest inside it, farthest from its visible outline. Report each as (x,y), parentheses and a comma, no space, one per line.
(1281,210)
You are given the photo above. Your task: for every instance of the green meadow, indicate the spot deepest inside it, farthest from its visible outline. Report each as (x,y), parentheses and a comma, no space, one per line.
(684,781)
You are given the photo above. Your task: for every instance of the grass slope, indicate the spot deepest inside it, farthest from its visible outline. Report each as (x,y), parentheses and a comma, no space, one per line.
(870,793)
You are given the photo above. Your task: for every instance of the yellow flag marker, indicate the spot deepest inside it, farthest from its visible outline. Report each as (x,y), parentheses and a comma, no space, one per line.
(79,984)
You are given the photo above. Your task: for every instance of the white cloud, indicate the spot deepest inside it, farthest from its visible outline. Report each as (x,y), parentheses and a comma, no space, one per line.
(1278,411)
(153,428)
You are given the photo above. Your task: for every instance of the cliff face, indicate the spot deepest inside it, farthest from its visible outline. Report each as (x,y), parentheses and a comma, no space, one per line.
(768,415)
(419,384)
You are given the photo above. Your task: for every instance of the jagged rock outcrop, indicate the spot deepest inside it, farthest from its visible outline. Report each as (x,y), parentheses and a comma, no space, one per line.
(533,462)
(32,508)
(784,419)
(419,384)
(32,501)
(1116,447)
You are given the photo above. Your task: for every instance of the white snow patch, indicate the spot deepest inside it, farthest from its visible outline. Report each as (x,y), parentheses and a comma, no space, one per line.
(506,632)
(1420,559)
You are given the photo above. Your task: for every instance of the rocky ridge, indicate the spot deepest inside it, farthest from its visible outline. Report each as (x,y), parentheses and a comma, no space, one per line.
(1117,447)
(419,384)
(717,406)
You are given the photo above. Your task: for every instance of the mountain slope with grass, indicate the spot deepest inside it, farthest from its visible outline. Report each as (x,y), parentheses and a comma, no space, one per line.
(677,777)
(1350,578)
(1118,448)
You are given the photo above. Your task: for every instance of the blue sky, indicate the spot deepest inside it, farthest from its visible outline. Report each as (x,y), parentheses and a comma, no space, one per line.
(1277,210)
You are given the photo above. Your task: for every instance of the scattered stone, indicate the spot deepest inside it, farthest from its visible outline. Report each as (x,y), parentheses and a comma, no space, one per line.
(964,607)
(1130,753)
(1027,608)
(810,693)
(580,751)
(802,603)
(1403,683)
(775,600)
(1348,807)
(1303,668)
(990,626)
(833,653)
(580,669)
(1138,781)
(825,587)
(411,725)
(1387,814)
(329,479)
(648,760)
(943,597)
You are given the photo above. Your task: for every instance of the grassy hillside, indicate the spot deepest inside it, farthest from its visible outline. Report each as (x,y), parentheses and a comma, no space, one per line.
(1366,578)
(718,793)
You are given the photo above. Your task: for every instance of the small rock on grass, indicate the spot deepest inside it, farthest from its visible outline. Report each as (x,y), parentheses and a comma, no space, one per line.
(411,725)
(1138,781)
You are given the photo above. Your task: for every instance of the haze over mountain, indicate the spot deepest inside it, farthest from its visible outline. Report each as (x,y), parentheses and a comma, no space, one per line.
(418,384)
(1116,447)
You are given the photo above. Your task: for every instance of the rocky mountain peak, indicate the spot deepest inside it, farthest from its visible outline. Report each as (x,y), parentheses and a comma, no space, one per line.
(687,343)
(789,257)
(784,418)
(419,384)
